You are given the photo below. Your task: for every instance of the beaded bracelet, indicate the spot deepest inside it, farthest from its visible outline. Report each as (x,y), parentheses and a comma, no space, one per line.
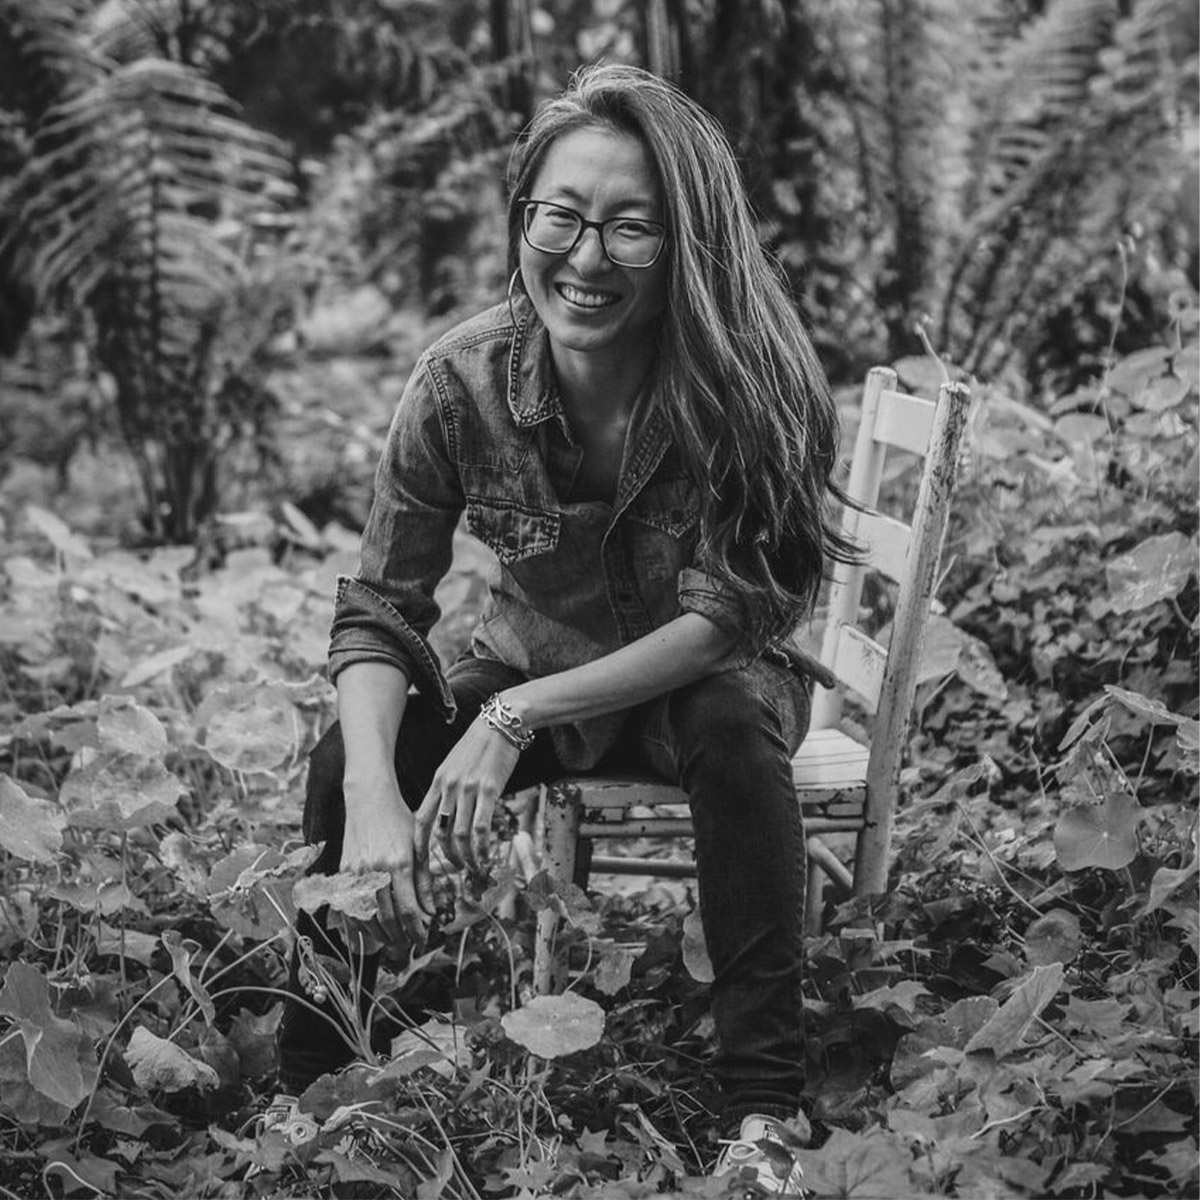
(499,716)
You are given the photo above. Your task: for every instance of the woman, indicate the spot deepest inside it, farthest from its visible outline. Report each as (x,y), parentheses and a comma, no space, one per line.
(644,437)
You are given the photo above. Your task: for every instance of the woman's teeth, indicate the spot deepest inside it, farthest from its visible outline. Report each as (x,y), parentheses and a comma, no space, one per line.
(585,299)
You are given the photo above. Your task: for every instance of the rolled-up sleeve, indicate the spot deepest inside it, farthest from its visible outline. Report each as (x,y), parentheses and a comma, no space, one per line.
(701,592)
(385,611)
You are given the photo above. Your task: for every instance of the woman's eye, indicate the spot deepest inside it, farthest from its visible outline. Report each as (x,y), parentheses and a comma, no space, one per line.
(633,229)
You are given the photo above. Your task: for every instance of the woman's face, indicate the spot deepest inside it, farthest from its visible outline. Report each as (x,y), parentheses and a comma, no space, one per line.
(587,302)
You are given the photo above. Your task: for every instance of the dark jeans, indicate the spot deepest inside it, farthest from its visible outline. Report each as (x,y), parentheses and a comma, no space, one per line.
(727,740)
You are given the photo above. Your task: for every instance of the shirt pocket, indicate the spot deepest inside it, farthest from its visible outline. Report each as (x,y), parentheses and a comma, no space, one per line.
(671,507)
(512,531)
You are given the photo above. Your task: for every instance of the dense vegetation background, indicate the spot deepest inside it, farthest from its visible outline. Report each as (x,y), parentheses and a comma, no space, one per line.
(226,230)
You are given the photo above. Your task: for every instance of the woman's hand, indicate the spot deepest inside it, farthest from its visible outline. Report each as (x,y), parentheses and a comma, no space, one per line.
(380,836)
(459,804)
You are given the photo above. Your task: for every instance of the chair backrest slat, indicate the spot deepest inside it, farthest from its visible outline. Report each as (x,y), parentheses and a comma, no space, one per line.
(859,663)
(886,541)
(904,422)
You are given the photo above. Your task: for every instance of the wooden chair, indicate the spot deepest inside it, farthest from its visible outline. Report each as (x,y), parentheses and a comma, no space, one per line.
(842,785)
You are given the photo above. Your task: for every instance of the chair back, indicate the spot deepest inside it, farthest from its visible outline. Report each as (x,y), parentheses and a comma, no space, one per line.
(883,679)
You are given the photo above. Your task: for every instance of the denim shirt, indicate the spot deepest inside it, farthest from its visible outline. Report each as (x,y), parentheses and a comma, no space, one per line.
(480,428)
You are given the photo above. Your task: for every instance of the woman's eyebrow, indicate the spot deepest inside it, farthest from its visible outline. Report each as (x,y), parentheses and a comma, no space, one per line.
(566,192)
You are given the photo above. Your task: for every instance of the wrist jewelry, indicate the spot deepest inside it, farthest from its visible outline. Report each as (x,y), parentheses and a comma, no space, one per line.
(499,716)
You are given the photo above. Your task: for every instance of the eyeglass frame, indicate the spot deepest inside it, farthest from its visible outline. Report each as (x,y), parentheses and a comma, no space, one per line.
(584,225)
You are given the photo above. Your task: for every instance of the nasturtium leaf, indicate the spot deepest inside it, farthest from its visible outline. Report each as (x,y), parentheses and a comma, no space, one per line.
(1098,835)
(695,948)
(252,1036)
(921,373)
(134,944)
(940,649)
(157,1063)
(1005,1032)
(439,1045)
(1161,394)
(120,791)
(1154,570)
(1136,370)
(156,664)
(249,726)
(109,1113)
(1054,937)
(57,533)
(551,1026)
(181,951)
(97,1175)
(977,669)
(105,896)
(59,1059)
(872,1165)
(1082,427)
(125,726)
(29,829)
(1169,880)
(614,969)
(350,892)
(250,893)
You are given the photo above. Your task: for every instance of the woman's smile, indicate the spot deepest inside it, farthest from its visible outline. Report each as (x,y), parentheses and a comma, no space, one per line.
(586,297)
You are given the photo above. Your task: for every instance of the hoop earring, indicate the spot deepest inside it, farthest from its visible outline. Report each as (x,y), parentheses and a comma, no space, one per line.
(512,287)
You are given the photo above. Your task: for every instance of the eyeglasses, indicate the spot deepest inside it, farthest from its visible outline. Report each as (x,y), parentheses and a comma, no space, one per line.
(556,229)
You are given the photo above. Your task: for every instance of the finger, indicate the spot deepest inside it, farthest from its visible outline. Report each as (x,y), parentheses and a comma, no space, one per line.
(423,885)
(426,815)
(389,921)
(481,827)
(408,910)
(464,814)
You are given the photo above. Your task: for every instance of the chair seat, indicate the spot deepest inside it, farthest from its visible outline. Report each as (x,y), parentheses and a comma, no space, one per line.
(829,770)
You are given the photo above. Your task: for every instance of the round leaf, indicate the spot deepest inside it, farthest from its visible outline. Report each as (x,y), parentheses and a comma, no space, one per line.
(29,829)
(249,727)
(124,725)
(120,791)
(1154,570)
(1054,938)
(551,1026)
(157,1063)
(1098,835)
(349,892)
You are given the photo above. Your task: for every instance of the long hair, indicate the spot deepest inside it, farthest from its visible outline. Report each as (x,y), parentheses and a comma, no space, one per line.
(747,401)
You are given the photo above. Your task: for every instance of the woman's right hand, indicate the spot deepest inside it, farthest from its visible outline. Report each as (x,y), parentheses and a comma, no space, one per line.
(380,836)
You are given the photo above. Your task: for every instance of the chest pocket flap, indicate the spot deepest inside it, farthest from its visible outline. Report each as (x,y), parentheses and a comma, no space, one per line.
(513,531)
(672,507)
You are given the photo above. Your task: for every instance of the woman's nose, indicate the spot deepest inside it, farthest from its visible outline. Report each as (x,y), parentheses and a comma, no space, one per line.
(588,253)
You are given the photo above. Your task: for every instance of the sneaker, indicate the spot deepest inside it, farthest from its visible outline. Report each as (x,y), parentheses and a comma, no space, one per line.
(762,1147)
(283,1116)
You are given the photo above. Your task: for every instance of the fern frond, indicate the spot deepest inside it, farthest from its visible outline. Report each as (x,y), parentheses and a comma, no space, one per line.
(42,58)
(118,168)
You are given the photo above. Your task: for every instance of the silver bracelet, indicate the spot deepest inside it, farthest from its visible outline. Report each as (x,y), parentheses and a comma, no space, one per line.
(499,716)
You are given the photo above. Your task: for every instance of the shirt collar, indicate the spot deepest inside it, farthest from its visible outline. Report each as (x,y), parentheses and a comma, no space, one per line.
(532,392)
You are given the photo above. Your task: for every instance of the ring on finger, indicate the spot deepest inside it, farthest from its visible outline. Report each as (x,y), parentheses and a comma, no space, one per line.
(443,822)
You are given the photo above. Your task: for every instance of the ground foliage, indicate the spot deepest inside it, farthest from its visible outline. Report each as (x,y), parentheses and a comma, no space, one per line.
(1017,1016)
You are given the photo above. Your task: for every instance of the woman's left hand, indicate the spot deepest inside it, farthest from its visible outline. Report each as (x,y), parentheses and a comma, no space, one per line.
(458,807)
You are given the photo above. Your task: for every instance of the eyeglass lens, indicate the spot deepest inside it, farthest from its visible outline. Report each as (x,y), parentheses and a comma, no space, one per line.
(628,241)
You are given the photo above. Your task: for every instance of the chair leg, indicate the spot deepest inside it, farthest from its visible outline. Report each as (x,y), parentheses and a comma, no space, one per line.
(814,900)
(560,812)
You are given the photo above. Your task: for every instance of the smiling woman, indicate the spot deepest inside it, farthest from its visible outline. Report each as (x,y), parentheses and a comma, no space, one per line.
(643,435)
